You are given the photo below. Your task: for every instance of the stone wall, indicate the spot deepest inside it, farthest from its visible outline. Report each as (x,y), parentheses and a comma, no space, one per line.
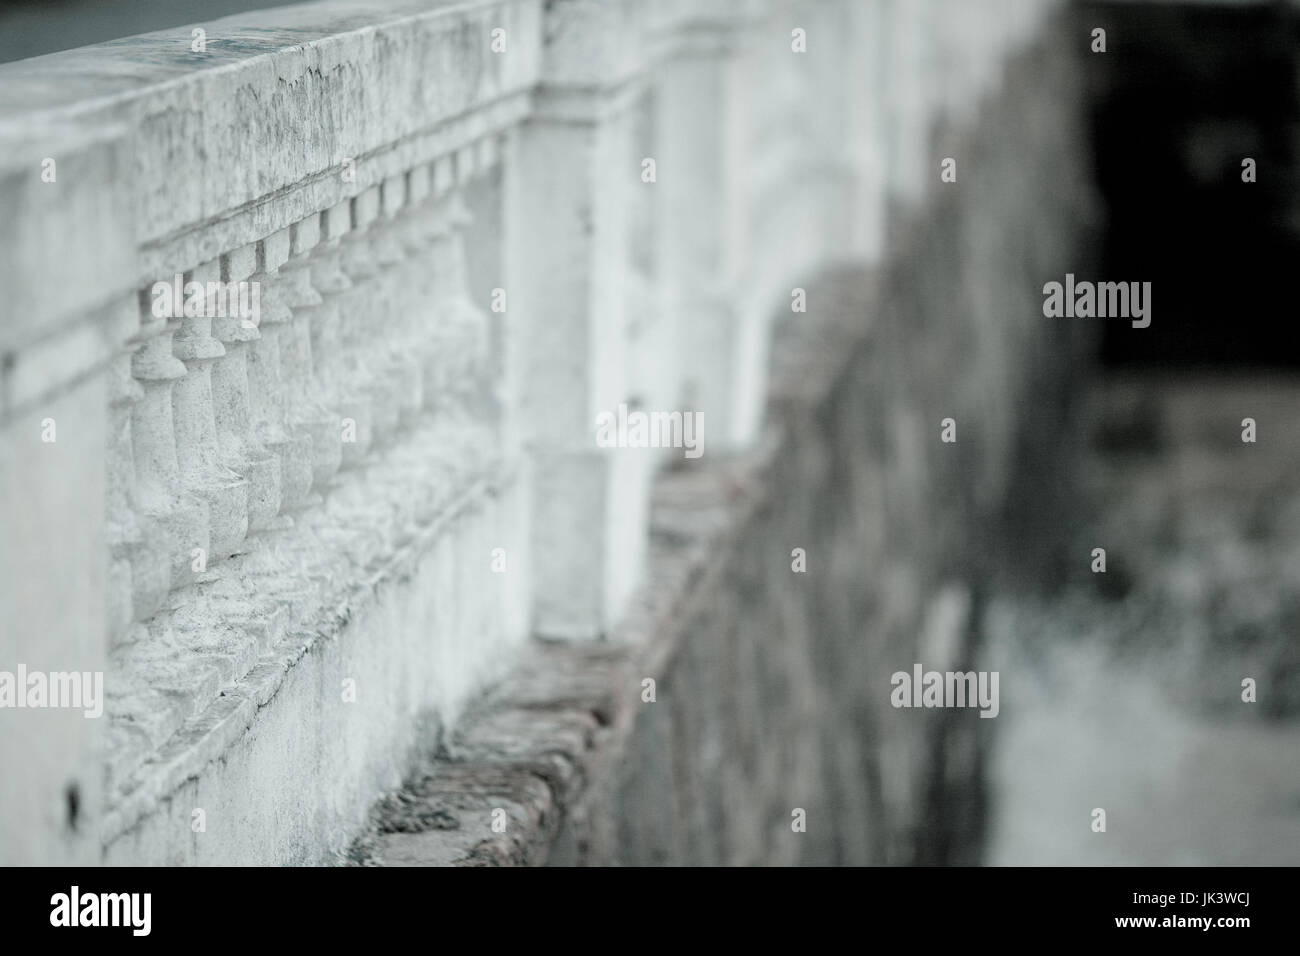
(278,532)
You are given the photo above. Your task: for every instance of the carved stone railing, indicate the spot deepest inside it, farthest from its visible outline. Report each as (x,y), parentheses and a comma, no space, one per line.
(322,527)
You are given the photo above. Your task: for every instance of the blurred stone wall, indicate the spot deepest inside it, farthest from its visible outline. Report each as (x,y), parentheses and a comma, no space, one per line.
(771,686)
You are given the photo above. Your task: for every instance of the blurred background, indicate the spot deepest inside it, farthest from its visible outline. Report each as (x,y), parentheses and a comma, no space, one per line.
(1138,704)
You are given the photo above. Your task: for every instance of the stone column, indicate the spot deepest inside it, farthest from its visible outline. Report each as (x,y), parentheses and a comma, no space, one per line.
(864,82)
(695,196)
(907,113)
(569,167)
(654,350)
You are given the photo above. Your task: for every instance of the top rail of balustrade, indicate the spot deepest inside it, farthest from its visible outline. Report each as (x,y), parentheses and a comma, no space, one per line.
(219,139)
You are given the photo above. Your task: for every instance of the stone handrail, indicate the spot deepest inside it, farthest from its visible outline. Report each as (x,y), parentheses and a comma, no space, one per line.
(432,243)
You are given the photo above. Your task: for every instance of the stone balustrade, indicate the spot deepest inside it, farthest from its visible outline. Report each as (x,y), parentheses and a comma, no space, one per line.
(299,543)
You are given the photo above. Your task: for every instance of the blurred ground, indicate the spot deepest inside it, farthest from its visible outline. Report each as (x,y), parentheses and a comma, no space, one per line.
(1123,690)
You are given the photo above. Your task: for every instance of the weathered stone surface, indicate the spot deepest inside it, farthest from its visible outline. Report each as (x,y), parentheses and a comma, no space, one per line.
(388,85)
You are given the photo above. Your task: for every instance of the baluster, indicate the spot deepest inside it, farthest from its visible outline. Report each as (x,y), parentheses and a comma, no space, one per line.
(331,282)
(140,552)
(473,376)
(197,449)
(253,615)
(364,318)
(400,299)
(438,352)
(235,330)
(161,493)
(122,528)
(419,231)
(489,156)
(459,330)
(267,384)
(279,557)
(304,391)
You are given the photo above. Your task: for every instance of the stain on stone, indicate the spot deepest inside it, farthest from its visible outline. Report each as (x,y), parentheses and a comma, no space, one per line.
(72,797)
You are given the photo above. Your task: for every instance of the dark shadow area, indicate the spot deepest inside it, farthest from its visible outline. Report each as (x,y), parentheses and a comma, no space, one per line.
(1182,96)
